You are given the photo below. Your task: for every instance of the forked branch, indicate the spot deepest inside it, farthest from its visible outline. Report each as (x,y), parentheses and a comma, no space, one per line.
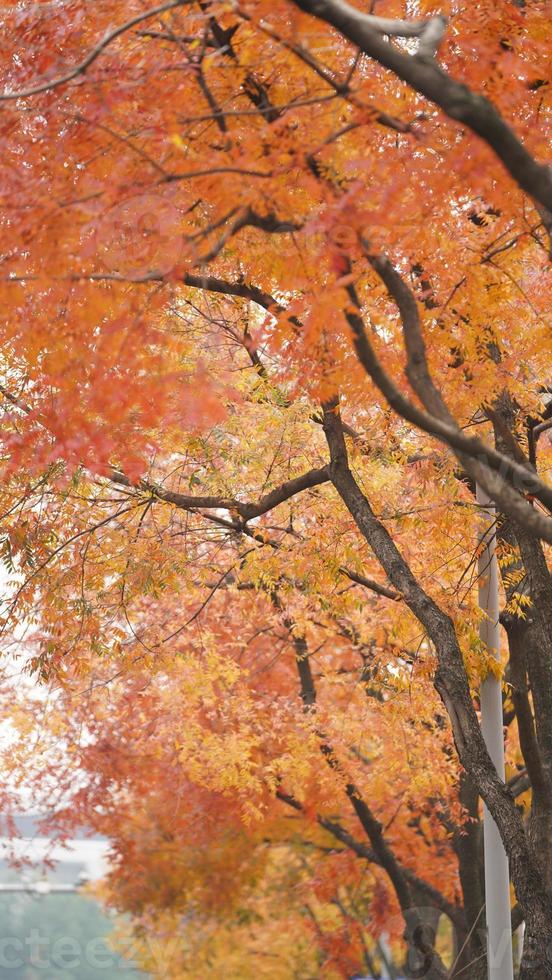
(425,76)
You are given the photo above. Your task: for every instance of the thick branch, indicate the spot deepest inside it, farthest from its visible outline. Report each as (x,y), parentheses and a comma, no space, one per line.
(214,285)
(456,99)
(369,583)
(454,912)
(247,511)
(493,468)
(450,681)
(519,638)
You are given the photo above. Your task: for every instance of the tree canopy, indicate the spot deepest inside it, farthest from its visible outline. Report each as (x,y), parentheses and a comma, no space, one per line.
(275,280)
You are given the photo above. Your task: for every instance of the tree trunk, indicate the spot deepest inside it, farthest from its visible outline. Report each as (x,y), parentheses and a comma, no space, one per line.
(451,682)
(536,962)
(530,646)
(471,956)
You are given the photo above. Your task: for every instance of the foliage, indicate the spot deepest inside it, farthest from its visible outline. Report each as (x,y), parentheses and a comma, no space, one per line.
(276,278)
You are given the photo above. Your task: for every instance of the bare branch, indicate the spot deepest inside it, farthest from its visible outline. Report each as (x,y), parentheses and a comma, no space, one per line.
(369,583)
(247,511)
(207,171)
(431,37)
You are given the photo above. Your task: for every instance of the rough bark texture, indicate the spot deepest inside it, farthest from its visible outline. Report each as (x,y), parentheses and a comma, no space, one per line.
(530,646)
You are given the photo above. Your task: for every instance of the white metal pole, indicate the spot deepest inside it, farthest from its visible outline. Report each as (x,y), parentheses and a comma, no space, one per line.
(497,878)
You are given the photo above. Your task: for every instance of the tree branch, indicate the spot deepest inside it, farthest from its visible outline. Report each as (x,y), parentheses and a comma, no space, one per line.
(373,829)
(493,468)
(457,100)
(451,680)
(247,511)
(369,583)
(454,912)
(80,69)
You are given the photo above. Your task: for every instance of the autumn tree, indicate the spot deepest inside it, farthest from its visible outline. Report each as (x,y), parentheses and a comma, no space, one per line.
(275,278)
(208,777)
